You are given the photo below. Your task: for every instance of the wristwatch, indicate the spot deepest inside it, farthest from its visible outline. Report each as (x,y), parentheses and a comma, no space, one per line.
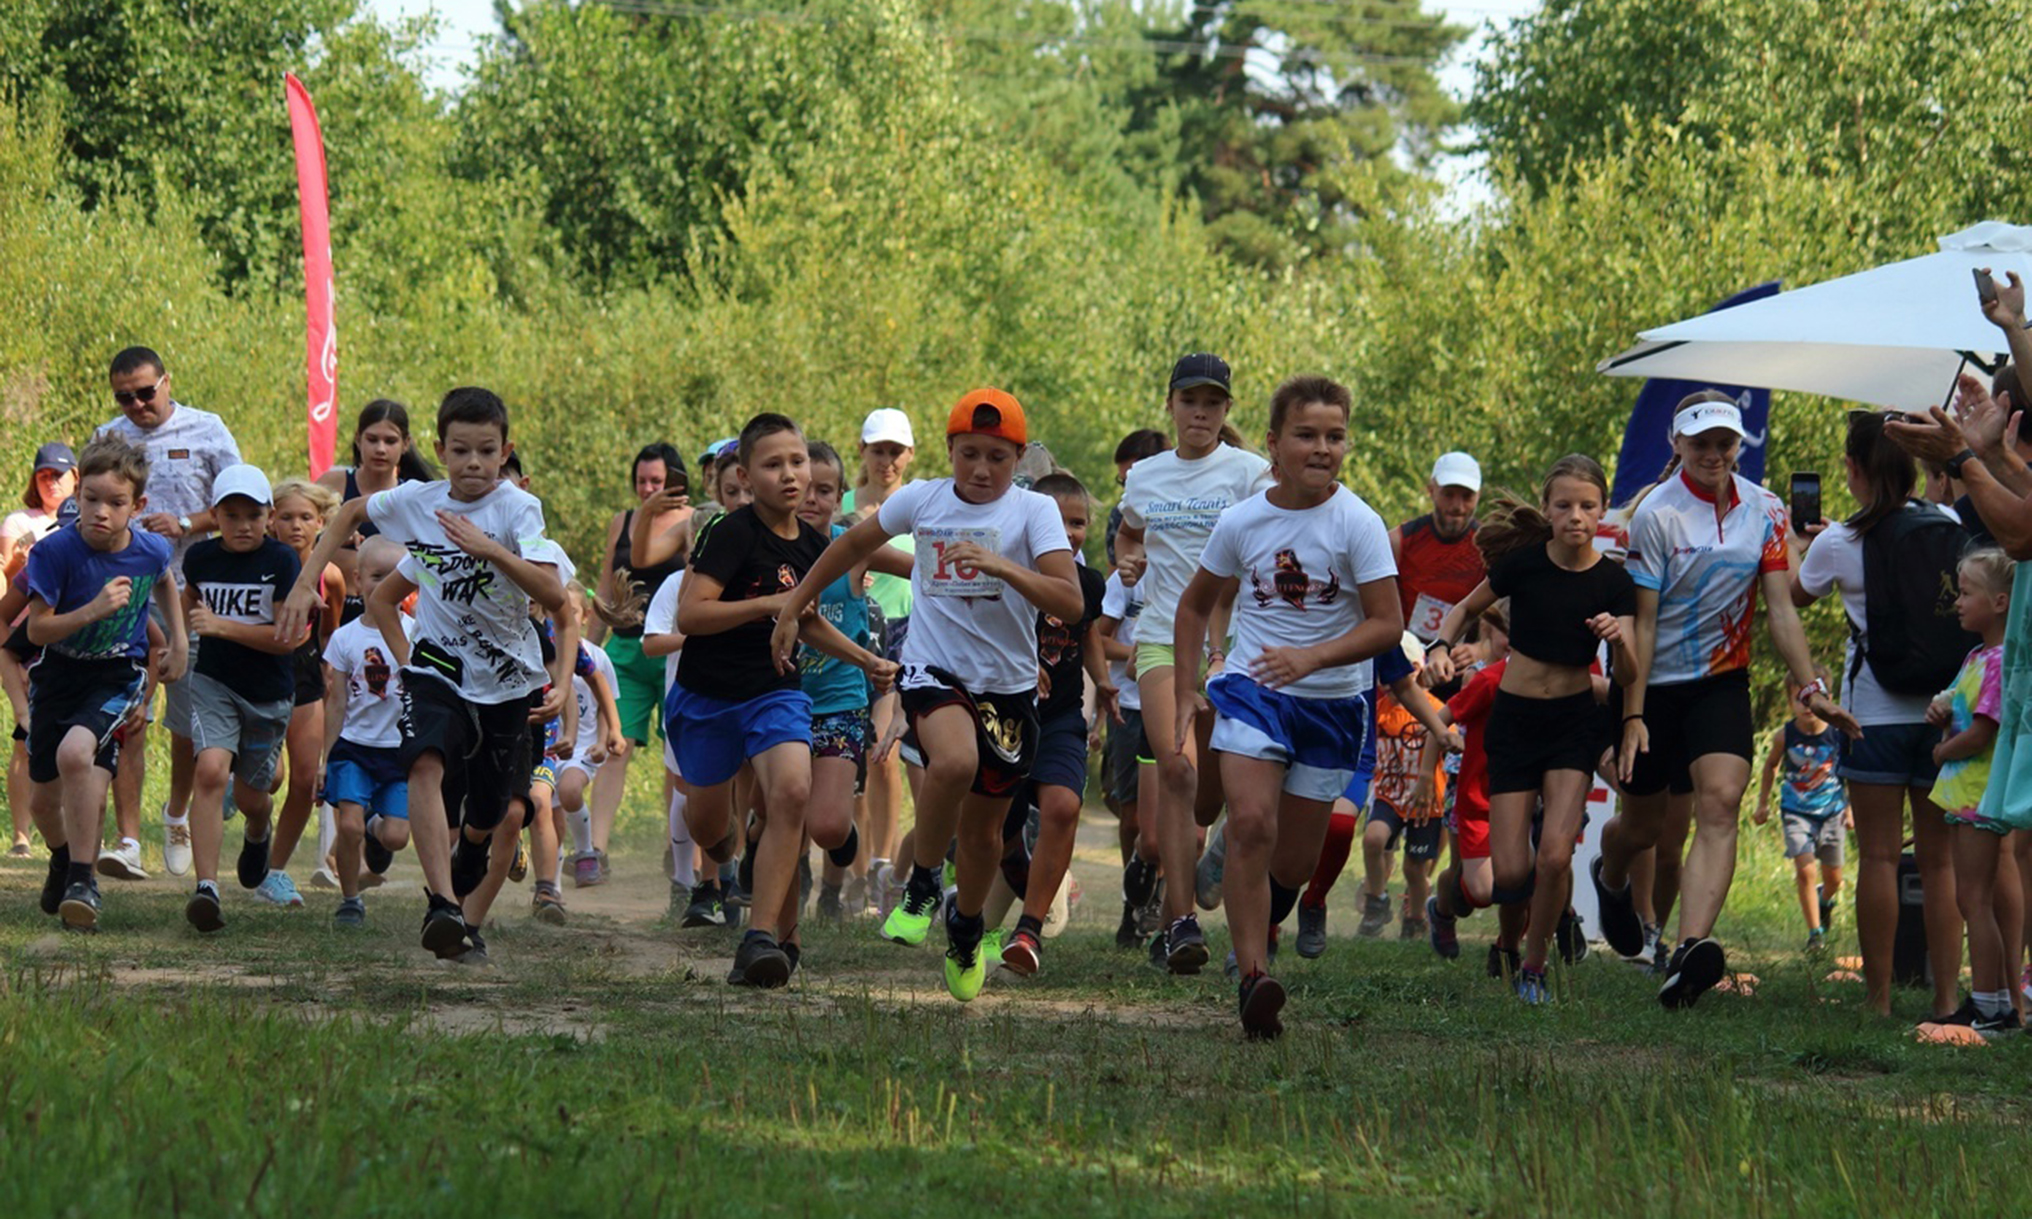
(183,523)
(1955,463)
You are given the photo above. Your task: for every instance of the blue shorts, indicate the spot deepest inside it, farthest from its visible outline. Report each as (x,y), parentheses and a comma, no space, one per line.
(1062,752)
(713,738)
(355,774)
(1315,738)
(1892,755)
(1357,790)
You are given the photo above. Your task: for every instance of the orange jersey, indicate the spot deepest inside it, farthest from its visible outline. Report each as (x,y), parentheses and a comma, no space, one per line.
(1399,741)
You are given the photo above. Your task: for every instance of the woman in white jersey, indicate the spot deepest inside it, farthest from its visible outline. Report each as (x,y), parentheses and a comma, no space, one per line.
(1701,547)
(1170,503)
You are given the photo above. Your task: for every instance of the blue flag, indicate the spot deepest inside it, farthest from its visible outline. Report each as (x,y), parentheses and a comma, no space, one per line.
(1646,447)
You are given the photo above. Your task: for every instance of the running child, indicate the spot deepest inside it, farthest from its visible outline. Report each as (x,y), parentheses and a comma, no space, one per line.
(300,511)
(88,586)
(733,707)
(1468,884)
(242,686)
(1129,763)
(1317,602)
(1813,808)
(600,739)
(363,776)
(990,556)
(467,683)
(1546,730)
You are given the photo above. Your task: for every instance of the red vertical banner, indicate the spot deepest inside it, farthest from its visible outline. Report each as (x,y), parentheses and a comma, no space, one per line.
(321,336)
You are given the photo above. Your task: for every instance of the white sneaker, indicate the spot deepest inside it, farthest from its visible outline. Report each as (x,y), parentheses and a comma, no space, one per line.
(123,862)
(176,850)
(324,878)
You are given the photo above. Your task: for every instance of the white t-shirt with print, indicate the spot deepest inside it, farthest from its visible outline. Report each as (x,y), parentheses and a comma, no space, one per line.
(185,453)
(1123,603)
(466,608)
(358,654)
(661,619)
(1833,561)
(1300,572)
(589,707)
(961,620)
(1175,503)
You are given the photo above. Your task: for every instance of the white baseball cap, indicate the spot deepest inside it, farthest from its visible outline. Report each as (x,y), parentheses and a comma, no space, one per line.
(888,424)
(241,480)
(1457,470)
(1706,417)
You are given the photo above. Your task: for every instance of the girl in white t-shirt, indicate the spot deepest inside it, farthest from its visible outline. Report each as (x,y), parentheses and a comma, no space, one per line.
(989,556)
(1169,505)
(1317,600)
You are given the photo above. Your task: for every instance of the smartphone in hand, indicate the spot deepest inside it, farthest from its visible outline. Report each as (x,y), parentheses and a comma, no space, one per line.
(1805,500)
(1986,288)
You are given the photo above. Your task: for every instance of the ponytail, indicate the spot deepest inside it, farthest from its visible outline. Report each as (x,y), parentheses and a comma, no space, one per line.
(1515,524)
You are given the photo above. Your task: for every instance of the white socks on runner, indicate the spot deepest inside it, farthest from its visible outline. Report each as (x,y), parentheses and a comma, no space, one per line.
(682,853)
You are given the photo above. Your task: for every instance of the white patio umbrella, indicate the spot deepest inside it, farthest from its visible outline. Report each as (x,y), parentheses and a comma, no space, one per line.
(1892,336)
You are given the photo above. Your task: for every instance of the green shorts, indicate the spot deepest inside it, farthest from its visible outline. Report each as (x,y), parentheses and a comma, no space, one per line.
(1151,657)
(640,696)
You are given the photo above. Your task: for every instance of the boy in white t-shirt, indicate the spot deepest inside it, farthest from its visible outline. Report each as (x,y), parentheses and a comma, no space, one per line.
(989,557)
(467,684)
(363,778)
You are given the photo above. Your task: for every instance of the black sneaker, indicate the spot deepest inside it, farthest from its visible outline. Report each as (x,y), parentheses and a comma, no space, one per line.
(796,955)
(53,885)
(1571,936)
(844,855)
(469,864)
(1312,929)
(444,929)
(1503,962)
(1965,1015)
(1157,957)
(1128,935)
(1696,966)
(378,858)
(760,961)
(202,911)
(831,906)
(253,865)
(1262,997)
(2003,1024)
(1185,948)
(1139,881)
(705,909)
(79,908)
(1622,930)
(474,956)
(1375,918)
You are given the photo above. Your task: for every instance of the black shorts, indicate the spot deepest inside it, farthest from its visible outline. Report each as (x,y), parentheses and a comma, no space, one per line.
(1127,746)
(485,747)
(1420,839)
(1691,720)
(96,695)
(307,664)
(1005,725)
(1527,737)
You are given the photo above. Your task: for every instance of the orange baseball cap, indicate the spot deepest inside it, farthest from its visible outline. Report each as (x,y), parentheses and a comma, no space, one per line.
(988,412)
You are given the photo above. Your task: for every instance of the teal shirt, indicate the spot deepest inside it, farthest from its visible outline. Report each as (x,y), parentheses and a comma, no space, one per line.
(835,685)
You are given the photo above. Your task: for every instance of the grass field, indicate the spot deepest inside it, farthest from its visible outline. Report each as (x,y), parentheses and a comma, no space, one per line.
(605,1068)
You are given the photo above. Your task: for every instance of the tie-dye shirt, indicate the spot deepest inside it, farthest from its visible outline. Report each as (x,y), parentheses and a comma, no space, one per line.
(1977,690)
(1705,574)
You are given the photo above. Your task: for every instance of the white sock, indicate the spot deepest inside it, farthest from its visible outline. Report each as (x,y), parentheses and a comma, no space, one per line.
(327,831)
(1992,1002)
(130,844)
(681,870)
(581,821)
(169,820)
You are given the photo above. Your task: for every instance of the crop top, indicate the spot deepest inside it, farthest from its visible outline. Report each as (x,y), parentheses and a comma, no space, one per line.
(1550,606)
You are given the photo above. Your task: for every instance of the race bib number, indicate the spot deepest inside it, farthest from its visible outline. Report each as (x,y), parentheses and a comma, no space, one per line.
(944,577)
(1426,614)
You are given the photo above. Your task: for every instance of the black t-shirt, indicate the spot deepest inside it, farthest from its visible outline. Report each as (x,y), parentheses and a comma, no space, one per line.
(749,560)
(1550,606)
(244,588)
(1060,648)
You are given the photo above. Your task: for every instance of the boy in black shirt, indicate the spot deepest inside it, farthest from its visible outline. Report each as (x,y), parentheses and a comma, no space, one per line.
(243,685)
(732,706)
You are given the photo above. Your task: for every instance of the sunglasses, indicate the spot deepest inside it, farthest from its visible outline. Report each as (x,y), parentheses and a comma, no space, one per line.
(145,394)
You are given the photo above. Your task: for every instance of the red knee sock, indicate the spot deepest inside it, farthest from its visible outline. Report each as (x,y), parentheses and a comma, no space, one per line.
(1333,856)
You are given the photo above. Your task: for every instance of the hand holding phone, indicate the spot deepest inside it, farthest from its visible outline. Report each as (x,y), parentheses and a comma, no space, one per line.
(1986,287)
(1805,501)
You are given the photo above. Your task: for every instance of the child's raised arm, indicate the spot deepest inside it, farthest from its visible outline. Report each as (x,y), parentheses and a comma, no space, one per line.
(846,552)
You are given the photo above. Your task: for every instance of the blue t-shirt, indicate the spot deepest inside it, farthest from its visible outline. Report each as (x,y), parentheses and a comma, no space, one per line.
(1811,787)
(66,573)
(834,685)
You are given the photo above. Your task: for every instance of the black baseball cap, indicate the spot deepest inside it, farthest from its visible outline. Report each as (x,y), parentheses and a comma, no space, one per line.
(1201,368)
(56,455)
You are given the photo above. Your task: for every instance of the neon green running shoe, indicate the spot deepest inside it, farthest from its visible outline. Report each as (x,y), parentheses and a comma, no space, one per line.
(910,922)
(966,970)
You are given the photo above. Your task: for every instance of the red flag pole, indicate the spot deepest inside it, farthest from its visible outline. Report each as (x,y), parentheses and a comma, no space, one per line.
(321,336)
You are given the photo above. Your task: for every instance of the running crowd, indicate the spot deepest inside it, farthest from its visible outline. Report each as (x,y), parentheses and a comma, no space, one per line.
(402,648)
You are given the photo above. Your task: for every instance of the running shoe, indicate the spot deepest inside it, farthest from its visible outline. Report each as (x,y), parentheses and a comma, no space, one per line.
(1571,936)
(546,904)
(1503,962)
(1816,942)
(1531,987)
(176,846)
(518,868)
(1445,939)
(1965,1015)
(705,909)
(123,862)
(1649,957)
(79,909)
(1150,915)
(759,962)
(1128,935)
(910,922)
(1261,998)
(1139,881)
(1622,930)
(203,910)
(377,858)
(2003,1024)
(469,863)
(352,912)
(1696,966)
(1411,920)
(1312,928)
(1022,954)
(1375,917)
(832,905)
(1661,954)
(324,878)
(1157,959)
(253,864)
(277,889)
(1185,949)
(444,929)
(475,956)
(965,968)
(585,868)
(1213,866)
(53,884)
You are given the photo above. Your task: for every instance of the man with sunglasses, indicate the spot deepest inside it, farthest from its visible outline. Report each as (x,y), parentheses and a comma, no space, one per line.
(186,449)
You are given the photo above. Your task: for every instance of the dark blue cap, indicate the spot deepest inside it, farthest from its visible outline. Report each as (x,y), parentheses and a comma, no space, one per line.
(1201,368)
